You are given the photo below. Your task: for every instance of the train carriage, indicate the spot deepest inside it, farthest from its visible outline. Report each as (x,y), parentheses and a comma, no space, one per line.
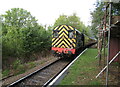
(66,40)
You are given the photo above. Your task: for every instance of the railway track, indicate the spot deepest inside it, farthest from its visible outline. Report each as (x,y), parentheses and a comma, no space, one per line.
(55,80)
(45,75)
(41,76)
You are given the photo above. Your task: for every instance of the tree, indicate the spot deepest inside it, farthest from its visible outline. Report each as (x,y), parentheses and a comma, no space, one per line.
(13,22)
(97,16)
(22,35)
(116,9)
(61,20)
(72,20)
(19,18)
(98,13)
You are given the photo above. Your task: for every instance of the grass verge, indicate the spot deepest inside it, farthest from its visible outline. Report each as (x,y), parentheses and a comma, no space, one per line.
(20,68)
(84,70)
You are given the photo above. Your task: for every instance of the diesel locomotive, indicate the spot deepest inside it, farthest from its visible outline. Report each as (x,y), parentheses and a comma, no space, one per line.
(66,40)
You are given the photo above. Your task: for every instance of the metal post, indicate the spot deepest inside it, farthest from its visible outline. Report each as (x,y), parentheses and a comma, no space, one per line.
(0,50)
(107,71)
(105,31)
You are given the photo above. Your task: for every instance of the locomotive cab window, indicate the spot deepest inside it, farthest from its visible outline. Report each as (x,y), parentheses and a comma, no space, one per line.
(71,35)
(55,34)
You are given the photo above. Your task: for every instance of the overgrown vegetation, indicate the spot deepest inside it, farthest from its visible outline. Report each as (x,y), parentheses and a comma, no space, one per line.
(22,38)
(22,35)
(18,67)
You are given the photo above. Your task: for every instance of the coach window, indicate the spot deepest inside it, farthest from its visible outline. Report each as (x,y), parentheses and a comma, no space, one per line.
(55,34)
(70,34)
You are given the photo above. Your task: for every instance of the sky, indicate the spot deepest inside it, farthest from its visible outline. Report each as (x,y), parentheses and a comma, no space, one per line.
(47,11)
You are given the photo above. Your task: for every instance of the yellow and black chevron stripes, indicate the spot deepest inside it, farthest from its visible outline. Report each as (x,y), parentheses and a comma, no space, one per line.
(55,40)
(56,28)
(63,43)
(63,40)
(63,35)
(63,30)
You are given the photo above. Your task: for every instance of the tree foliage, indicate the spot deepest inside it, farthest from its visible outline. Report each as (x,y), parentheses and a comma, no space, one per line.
(116,9)
(19,18)
(72,20)
(22,35)
(97,16)
(98,13)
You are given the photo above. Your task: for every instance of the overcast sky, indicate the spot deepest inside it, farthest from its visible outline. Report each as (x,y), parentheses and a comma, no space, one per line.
(47,11)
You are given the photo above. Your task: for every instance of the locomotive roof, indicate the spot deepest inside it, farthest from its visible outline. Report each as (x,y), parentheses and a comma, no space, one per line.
(78,31)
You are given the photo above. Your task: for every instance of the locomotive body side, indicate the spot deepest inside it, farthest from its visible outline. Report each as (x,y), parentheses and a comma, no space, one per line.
(89,40)
(80,40)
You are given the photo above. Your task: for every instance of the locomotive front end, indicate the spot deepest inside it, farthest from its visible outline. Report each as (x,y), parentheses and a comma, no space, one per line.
(63,40)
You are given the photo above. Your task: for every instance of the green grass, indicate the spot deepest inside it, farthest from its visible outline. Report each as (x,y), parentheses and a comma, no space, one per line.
(31,65)
(5,72)
(83,71)
(18,67)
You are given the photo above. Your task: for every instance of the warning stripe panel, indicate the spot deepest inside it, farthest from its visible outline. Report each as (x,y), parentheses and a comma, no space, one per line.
(68,42)
(53,39)
(63,35)
(64,26)
(60,27)
(63,41)
(64,44)
(67,28)
(74,40)
(71,28)
(56,28)
(56,40)
(63,30)
(59,42)
(70,46)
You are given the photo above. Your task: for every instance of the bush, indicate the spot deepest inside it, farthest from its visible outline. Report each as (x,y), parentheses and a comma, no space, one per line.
(22,37)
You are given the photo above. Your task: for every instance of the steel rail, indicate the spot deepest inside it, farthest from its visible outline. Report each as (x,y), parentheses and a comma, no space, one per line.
(51,80)
(25,77)
(61,75)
